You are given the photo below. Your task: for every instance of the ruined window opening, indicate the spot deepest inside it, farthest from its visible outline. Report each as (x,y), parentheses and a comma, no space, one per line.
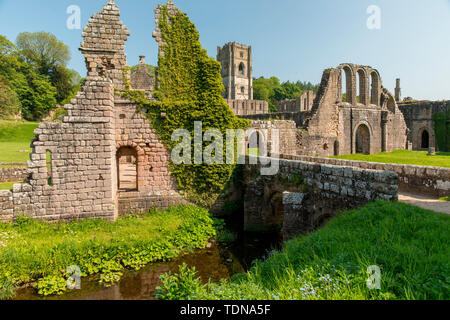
(242,54)
(127,169)
(346,84)
(374,94)
(48,162)
(122,116)
(361,87)
(242,90)
(241,69)
(425,140)
(362,139)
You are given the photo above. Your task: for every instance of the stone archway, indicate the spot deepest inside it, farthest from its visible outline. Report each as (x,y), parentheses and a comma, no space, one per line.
(425,139)
(362,139)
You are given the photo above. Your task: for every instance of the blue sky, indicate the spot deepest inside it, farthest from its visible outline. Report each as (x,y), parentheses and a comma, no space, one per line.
(291,39)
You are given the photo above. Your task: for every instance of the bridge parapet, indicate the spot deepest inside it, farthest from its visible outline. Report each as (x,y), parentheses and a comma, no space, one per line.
(302,196)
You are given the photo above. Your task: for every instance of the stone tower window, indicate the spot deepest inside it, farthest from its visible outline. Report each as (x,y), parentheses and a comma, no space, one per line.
(242,90)
(242,54)
(241,69)
(48,160)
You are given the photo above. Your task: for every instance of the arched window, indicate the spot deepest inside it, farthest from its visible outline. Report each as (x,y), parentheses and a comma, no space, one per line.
(375,94)
(127,168)
(425,143)
(242,90)
(347,86)
(241,68)
(361,87)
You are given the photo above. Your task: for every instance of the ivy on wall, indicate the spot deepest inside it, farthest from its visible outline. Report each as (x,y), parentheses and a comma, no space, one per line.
(189,89)
(442,130)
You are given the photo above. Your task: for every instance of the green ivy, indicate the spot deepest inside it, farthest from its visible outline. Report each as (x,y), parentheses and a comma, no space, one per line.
(189,90)
(442,130)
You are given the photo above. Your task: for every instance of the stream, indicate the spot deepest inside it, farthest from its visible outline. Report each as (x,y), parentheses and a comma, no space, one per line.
(220,261)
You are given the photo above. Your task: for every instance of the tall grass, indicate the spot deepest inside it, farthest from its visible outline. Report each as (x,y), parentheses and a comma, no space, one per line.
(410,245)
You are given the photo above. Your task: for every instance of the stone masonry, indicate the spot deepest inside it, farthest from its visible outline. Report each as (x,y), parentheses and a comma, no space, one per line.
(369,123)
(304,195)
(82,178)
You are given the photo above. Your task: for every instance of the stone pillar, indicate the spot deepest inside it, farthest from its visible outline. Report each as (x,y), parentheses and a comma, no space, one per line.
(398,91)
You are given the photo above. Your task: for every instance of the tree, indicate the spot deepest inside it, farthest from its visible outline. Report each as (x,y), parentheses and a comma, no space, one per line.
(61,79)
(43,50)
(9,102)
(6,46)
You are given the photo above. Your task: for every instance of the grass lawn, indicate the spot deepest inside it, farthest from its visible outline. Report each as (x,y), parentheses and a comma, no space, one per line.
(15,137)
(36,251)
(411,246)
(445,199)
(7,185)
(419,158)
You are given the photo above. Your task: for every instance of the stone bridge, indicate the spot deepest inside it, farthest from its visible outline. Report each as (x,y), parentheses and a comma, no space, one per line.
(302,196)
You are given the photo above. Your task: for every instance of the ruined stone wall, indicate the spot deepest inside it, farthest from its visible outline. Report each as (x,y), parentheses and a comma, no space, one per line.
(434,181)
(248,107)
(13,174)
(78,181)
(419,118)
(303,103)
(303,195)
(155,186)
(6,206)
(285,134)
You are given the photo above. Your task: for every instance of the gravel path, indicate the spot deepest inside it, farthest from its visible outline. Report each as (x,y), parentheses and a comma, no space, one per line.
(425,202)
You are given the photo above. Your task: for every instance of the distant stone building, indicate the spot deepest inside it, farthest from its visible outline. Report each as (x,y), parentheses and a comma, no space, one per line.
(302,103)
(341,121)
(421,118)
(237,75)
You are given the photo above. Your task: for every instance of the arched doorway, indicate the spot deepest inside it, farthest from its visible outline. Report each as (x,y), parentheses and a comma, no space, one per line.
(256,144)
(362,139)
(127,168)
(425,140)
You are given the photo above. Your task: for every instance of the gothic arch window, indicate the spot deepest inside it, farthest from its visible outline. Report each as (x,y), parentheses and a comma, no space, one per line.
(375,84)
(347,87)
(241,68)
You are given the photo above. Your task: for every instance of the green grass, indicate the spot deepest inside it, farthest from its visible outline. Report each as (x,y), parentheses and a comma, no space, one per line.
(7,185)
(445,199)
(33,251)
(419,158)
(15,137)
(410,245)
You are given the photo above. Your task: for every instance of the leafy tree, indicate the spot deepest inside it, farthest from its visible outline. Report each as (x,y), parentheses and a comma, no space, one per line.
(272,91)
(6,46)
(9,102)
(43,50)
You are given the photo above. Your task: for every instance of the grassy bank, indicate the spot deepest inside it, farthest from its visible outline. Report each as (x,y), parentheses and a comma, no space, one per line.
(32,251)
(7,185)
(411,246)
(418,158)
(14,138)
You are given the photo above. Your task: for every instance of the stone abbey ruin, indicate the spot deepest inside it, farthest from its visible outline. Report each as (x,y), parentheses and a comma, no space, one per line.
(106,159)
